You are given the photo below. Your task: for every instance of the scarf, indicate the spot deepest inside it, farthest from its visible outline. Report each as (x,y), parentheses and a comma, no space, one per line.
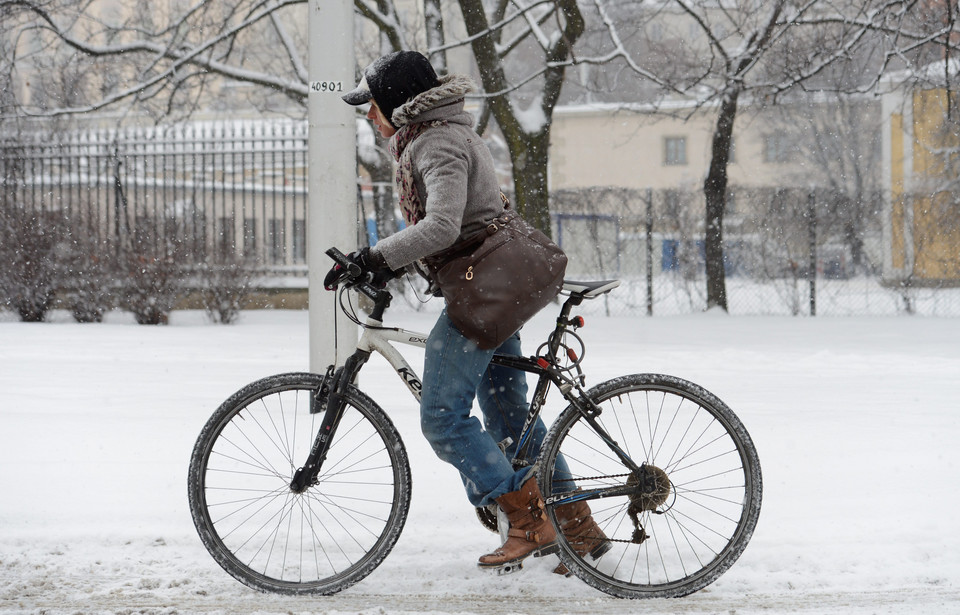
(411,205)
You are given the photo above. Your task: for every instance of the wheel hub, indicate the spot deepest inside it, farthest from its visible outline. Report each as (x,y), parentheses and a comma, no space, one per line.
(653,488)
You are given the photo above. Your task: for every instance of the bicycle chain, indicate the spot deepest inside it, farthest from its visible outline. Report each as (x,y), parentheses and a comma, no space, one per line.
(598,477)
(639,535)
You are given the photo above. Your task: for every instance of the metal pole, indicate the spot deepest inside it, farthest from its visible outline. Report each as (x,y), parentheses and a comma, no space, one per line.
(812,230)
(649,252)
(332,174)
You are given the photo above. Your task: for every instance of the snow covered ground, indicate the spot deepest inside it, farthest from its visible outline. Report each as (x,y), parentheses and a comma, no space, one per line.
(857,421)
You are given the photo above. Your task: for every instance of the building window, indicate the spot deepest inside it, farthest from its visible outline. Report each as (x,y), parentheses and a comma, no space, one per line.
(778,148)
(656,32)
(674,151)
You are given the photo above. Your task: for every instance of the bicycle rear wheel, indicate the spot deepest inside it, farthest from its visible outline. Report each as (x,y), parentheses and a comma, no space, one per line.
(691,508)
(265,535)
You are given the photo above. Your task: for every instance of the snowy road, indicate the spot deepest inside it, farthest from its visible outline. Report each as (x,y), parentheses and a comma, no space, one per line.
(165,578)
(919,601)
(149,585)
(855,420)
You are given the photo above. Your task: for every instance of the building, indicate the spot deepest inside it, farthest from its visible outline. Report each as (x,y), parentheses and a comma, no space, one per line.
(825,146)
(921,217)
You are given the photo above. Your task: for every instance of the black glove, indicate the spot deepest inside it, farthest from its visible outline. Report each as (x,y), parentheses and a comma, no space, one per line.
(368,263)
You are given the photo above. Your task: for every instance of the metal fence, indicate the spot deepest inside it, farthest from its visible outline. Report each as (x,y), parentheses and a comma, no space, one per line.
(236,187)
(240,188)
(786,252)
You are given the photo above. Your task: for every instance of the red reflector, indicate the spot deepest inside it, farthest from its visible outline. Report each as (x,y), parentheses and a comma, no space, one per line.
(543,363)
(579,321)
(572,354)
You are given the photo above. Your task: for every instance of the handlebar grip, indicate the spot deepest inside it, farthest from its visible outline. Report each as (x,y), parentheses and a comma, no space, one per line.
(354,272)
(338,257)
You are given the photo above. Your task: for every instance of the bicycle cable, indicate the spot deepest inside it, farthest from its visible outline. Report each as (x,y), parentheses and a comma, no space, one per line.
(574,356)
(350,311)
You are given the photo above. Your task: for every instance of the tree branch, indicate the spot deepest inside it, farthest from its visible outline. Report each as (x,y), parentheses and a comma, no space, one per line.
(290,47)
(198,56)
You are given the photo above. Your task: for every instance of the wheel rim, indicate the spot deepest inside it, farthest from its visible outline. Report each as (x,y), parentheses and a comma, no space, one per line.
(689,517)
(297,541)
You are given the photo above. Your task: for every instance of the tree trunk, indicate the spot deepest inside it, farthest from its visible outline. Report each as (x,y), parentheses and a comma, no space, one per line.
(530,156)
(529,148)
(433,24)
(715,191)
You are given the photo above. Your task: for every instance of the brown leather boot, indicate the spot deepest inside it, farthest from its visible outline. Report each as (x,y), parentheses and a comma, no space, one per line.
(530,531)
(581,531)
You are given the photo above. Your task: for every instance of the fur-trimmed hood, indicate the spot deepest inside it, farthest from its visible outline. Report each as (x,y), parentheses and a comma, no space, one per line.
(451,87)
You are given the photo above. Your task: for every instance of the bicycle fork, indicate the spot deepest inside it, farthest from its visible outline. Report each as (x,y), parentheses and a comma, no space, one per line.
(329,399)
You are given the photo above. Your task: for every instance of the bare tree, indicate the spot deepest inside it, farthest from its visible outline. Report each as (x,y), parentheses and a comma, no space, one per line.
(714,53)
(838,137)
(523,101)
(170,63)
(718,54)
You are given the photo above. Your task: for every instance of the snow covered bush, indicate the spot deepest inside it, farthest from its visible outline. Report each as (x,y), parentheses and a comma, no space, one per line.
(89,287)
(150,280)
(29,272)
(225,281)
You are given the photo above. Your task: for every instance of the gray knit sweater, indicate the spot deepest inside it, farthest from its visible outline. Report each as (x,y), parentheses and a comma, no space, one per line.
(453,171)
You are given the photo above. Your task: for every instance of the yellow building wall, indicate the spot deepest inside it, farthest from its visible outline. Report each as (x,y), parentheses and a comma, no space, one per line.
(936,213)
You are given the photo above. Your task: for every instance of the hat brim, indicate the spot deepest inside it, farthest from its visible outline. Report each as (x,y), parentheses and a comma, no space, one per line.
(359,95)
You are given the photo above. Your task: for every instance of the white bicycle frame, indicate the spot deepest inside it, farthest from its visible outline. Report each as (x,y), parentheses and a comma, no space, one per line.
(380,339)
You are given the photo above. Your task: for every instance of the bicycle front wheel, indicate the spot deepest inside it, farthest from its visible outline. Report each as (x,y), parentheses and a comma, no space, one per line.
(681,519)
(273,539)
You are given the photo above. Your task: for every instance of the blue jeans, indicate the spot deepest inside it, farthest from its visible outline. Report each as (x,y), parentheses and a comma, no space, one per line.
(455,372)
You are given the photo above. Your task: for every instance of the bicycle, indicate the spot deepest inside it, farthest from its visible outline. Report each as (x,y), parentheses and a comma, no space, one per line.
(299,483)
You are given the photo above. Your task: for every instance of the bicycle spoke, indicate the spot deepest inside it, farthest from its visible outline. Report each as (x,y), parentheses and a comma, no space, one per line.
(690,506)
(267,535)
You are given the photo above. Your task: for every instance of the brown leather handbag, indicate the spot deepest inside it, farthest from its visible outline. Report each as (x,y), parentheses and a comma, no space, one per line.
(495,280)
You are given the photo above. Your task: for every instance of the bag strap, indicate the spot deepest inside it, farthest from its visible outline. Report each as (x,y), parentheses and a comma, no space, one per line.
(436,260)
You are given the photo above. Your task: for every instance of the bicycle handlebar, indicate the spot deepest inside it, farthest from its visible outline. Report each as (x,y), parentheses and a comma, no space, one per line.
(355,277)
(338,257)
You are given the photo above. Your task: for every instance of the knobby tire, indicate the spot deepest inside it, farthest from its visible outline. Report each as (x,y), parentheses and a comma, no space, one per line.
(270,538)
(703,486)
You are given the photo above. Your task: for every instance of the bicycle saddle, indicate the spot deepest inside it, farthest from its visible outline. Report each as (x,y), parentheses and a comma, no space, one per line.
(589,290)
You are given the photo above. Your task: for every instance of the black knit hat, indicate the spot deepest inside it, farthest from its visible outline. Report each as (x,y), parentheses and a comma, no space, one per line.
(393,80)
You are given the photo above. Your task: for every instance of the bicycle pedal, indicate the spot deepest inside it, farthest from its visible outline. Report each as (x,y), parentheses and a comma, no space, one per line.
(510,568)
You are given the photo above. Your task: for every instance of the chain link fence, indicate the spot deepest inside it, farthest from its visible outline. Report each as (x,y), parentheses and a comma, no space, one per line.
(786,252)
